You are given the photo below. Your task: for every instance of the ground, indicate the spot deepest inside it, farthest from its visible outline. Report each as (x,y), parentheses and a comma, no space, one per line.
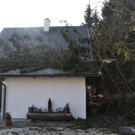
(53,131)
(25,127)
(77,127)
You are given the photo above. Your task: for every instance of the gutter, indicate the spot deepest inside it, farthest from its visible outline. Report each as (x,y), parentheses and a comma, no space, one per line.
(50,75)
(3,100)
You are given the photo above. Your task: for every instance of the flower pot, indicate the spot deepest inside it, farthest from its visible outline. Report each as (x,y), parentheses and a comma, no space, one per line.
(31,110)
(66,110)
(7,122)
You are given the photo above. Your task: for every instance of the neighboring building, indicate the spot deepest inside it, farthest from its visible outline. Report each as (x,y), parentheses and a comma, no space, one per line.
(36,87)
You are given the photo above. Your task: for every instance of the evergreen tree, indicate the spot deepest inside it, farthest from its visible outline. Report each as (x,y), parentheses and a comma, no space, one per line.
(88,18)
(91,18)
(115,40)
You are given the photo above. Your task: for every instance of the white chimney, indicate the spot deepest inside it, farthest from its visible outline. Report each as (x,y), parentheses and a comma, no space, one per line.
(46,25)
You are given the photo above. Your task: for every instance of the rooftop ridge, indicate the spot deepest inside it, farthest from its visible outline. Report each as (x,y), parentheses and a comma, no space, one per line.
(40,27)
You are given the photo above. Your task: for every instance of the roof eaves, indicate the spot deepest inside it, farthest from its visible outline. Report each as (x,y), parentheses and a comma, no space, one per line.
(50,75)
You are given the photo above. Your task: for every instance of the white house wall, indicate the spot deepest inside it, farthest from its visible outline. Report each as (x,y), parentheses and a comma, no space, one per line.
(24,92)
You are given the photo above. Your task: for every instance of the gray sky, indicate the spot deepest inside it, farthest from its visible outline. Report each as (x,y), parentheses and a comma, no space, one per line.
(30,13)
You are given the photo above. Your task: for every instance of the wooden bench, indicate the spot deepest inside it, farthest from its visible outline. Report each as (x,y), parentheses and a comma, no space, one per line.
(49,116)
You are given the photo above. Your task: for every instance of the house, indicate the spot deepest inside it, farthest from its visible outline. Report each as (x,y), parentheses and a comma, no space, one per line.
(30,70)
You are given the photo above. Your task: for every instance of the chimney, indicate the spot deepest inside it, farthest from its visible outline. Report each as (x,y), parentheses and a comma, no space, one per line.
(46,25)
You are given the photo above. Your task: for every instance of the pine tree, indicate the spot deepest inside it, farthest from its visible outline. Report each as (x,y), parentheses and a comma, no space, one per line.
(116,41)
(91,18)
(88,18)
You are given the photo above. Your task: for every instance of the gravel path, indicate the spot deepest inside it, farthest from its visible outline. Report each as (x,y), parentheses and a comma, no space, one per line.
(25,127)
(53,131)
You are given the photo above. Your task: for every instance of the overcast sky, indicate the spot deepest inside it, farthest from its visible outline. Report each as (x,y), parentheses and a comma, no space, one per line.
(31,13)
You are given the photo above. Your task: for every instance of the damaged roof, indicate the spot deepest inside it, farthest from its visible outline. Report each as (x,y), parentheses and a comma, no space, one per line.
(34,36)
(54,38)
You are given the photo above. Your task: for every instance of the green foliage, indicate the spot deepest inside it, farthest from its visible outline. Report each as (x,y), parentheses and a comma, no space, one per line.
(68,60)
(39,38)
(64,35)
(82,123)
(114,39)
(7,115)
(87,67)
(88,18)
(32,107)
(26,36)
(91,19)
(30,58)
(14,39)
